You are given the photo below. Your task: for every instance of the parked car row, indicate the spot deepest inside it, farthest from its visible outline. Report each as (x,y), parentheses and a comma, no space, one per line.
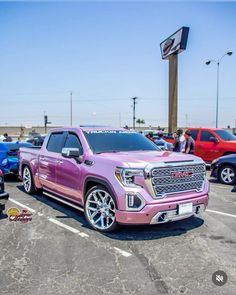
(71,154)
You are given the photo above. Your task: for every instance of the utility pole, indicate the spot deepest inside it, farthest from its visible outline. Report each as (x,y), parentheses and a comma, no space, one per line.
(134,103)
(71,108)
(46,122)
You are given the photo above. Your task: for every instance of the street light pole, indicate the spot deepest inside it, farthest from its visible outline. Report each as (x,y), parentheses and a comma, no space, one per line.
(217,92)
(229,53)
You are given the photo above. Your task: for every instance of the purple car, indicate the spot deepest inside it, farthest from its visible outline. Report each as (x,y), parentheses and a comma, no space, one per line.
(115,176)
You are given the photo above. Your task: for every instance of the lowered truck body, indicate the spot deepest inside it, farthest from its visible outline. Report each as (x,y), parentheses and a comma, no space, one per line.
(115,176)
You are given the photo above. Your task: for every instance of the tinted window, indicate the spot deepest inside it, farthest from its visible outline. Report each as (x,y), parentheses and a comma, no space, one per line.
(194,134)
(72,141)
(225,135)
(118,141)
(205,135)
(55,142)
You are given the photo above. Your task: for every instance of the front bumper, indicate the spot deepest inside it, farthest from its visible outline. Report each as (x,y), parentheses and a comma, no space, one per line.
(152,214)
(3,199)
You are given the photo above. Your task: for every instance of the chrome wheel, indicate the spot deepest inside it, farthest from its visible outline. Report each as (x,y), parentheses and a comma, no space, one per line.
(227,175)
(100,209)
(27,180)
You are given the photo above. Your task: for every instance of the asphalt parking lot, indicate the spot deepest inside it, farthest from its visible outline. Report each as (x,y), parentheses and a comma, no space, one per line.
(57,253)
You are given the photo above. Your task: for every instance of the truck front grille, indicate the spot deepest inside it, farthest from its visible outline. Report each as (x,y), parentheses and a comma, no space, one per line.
(168,180)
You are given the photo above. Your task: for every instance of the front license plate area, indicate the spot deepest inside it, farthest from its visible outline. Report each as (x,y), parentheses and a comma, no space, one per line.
(185,208)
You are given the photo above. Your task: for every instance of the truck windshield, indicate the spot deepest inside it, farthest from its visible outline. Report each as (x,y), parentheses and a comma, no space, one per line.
(225,135)
(106,141)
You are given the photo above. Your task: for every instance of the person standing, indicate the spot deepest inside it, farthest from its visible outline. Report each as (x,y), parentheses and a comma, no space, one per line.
(189,143)
(160,141)
(179,141)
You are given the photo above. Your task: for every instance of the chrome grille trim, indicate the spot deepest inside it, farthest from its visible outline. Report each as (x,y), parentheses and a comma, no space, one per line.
(160,182)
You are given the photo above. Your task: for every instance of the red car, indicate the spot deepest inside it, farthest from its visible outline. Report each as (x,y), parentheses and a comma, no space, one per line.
(212,143)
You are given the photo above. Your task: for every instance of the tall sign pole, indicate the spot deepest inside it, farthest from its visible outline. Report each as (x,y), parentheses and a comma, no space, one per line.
(173,93)
(170,48)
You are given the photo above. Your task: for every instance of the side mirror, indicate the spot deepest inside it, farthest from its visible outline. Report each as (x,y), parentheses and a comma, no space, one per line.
(213,139)
(73,153)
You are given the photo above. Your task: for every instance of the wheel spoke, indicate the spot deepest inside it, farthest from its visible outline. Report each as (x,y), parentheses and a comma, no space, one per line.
(94,214)
(95,197)
(92,208)
(100,196)
(102,221)
(96,221)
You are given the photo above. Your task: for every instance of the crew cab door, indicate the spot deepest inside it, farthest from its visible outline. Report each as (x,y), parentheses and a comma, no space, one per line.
(68,171)
(208,149)
(48,160)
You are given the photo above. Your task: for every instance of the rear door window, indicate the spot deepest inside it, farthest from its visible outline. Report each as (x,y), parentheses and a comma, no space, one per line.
(55,142)
(206,135)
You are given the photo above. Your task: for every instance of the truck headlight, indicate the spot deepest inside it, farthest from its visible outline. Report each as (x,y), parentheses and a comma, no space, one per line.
(127,176)
(4,162)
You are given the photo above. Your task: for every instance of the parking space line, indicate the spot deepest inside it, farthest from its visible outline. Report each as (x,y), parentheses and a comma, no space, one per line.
(72,229)
(122,252)
(22,205)
(221,213)
(67,227)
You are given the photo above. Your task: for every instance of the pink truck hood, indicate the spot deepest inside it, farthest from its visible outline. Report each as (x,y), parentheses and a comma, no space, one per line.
(139,159)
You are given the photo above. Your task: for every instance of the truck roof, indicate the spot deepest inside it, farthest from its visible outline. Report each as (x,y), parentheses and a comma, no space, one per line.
(88,128)
(201,128)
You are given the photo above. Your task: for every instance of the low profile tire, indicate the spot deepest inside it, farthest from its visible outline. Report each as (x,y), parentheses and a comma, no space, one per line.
(227,174)
(28,181)
(99,209)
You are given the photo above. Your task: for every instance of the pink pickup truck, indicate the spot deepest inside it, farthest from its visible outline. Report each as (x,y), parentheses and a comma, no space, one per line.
(115,176)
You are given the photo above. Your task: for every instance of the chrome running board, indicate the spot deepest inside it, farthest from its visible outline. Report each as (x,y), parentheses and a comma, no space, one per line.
(62,200)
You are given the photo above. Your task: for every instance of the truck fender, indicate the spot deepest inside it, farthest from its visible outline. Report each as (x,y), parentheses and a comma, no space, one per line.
(92,181)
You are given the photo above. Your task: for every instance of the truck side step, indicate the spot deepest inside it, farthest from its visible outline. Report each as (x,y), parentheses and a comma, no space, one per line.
(62,199)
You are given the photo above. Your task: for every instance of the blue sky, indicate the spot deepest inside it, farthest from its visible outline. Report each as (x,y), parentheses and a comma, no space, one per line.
(108,52)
